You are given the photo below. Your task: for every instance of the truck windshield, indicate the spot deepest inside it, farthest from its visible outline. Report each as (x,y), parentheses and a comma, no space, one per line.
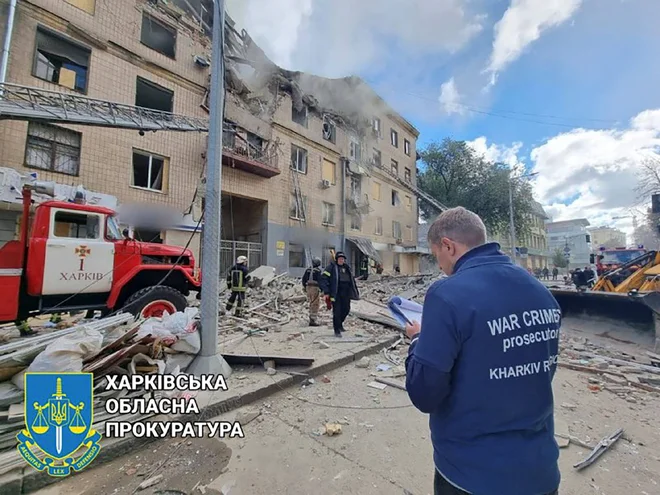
(113,232)
(621,257)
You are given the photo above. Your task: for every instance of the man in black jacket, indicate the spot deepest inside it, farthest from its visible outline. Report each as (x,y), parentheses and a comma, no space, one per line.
(237,279)
(310,282)
(338,282)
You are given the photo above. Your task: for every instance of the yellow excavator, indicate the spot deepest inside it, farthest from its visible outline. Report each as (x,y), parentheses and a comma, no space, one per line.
(630,294)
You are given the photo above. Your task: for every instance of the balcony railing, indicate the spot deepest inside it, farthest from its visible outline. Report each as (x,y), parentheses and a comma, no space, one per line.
(237,152)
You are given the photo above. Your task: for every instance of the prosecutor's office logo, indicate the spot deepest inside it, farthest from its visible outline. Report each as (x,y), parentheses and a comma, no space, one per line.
(59,412)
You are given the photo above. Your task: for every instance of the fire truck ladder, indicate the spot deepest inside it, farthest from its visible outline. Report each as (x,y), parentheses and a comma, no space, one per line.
(35,104)
(302,212)
(418,192)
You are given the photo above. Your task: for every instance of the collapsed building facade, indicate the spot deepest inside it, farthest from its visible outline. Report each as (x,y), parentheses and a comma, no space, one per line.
(309,164)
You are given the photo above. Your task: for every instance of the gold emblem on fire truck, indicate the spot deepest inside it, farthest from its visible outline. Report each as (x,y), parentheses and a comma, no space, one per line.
(82,252)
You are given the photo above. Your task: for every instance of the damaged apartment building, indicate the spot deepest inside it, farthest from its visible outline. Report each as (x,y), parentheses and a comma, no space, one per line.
(310,164)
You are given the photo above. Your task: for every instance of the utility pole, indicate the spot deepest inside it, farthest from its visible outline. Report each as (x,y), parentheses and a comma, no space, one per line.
(209,361)
(512,226)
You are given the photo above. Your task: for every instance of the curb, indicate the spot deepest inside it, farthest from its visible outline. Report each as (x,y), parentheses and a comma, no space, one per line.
(29,480)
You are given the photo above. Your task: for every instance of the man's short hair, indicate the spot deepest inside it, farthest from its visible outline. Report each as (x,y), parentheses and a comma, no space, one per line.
(459,225)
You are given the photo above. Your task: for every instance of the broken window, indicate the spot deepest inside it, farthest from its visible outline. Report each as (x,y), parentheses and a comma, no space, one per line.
(328,213)
(298,159)
(356,222)
(406,147)
(407,175)
(76,225)
(355,150)
(53,148)
(377,158)
(158,36)
(395,168)
(256,144)
(229,135)
(299,116)
(296,256)
(409,202)
(298,207)
(151,95)
(149,171)
(375,190)
(356,186)
(329,131)
(328,171)
(379,226)
(376,126)
(396,229)
(61,61)
(394,138)
(396,201)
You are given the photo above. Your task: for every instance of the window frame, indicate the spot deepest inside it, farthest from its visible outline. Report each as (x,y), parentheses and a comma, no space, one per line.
(378,129)
(333,132)
(66,39)
(299,248)
(306,110)
(394,138)
(297,149)
(380,190)
(166,27)
(166,171)
(157,87)
(406,146)
(407,174)
(394,167)
(396,198)
(298,214)
(328,207)
(378,228)
(54,145)
(396,223)
(100,227)
(358,221)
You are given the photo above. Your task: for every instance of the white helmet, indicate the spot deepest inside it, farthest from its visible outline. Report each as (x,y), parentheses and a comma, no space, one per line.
(241,260)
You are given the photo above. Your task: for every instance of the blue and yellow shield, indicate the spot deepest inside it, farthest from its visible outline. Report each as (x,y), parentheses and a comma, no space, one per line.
(59,412)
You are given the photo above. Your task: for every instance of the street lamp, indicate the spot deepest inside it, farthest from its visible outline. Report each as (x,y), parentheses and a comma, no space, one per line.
(512,226)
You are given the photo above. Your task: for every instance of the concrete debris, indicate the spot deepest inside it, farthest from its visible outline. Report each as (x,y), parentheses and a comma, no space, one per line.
(323,345)
(363,363)
(376,385)
(150,482)
(271,371)
(332,429)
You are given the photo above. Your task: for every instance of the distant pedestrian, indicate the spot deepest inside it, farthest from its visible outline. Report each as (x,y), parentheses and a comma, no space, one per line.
(483,370)
(310,282)
(545,272)
(364,268)
(555,272)
(338,282)
(397,269)
(237,279)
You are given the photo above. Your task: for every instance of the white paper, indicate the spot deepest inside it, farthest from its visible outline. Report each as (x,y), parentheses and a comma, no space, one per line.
(404,310)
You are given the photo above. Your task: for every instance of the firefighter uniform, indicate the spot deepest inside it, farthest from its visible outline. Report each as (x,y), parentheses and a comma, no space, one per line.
(338,282)
(310,282)
(237,279)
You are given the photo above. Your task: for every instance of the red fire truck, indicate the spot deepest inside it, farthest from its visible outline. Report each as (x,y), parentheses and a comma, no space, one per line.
(73,256)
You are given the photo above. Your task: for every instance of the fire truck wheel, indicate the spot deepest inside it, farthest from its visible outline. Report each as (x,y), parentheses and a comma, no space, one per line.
(154,301)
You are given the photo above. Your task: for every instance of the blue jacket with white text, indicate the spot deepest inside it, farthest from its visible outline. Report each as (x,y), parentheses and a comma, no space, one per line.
(482,367)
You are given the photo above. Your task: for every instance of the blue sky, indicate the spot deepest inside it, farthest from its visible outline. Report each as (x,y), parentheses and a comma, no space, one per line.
(567,88)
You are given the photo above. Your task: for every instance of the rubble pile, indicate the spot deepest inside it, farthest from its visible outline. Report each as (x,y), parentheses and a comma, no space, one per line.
(116,345)
(614,370)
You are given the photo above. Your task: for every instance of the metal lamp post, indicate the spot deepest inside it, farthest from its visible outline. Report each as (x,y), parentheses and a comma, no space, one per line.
(209,361)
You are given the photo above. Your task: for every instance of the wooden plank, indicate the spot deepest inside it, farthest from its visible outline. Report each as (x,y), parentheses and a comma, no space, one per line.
(392,383)
(254,359)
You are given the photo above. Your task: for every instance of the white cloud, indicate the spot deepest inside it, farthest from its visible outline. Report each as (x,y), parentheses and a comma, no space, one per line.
(522,24)
(341,37)
(498,153)
(450,99)
(593,173)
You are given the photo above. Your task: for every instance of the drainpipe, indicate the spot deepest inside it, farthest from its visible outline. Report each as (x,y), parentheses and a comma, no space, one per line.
(7,44)
(343,205)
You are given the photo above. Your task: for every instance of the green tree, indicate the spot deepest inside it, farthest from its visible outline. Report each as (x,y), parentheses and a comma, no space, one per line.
(558,259)
(455,175)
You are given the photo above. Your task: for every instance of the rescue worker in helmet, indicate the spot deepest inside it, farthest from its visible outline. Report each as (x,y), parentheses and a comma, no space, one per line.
(310,282)
(237,279)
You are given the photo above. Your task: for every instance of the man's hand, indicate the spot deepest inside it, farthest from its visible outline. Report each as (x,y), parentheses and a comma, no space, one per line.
(414,329)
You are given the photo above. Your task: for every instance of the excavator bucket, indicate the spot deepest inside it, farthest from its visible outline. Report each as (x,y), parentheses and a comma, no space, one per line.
(613,313)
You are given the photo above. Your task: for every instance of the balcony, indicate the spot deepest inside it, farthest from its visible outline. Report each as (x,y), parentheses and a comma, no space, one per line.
(246,151)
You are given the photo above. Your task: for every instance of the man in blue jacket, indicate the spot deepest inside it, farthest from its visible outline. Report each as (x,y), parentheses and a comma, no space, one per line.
(481,365)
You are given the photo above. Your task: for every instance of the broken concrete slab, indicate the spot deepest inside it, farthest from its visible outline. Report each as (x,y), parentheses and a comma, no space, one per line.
(363,363)
(262,276)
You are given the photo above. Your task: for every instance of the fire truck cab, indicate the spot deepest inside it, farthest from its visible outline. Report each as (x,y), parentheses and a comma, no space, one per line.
(73,256)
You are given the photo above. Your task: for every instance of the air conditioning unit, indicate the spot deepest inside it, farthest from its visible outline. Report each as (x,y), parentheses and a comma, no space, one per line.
(325,184)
